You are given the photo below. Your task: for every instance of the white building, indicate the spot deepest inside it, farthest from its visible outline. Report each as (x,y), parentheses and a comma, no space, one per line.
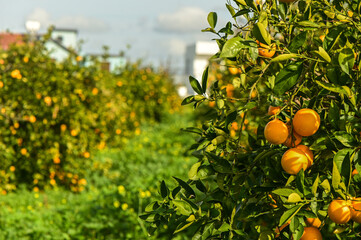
(61,43)
(197,59)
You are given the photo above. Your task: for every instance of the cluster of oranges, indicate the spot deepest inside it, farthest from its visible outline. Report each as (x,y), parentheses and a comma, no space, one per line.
(342,211)
(305,123)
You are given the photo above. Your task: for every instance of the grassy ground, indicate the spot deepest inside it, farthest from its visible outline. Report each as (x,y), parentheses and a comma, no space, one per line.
(119,185)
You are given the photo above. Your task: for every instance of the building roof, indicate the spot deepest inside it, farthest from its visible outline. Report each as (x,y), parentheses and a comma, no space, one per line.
(6,39)
(65,30)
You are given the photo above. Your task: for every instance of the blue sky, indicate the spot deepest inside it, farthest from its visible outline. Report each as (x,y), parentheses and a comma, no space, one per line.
(157,30)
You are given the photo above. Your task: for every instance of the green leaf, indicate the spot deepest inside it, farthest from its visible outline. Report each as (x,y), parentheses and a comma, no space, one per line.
(231,10)
(334,114)
(242,12)
(219,164)
(220,103)
(192,174)
(195,85)
(232,47)
(346,139)
(331,87)
(212,19)
(323,54)
(183,226)
(294,198)
(284,57)
(346,59)
(300,181)
(336,177)
(287,78)
(289,214)
(297,42)
(315,185)
(188,100)
(205,80)
(285,192)
(182,207)
(186,187)
(346,170)
(261,33)
(326,185)
(332,37)
(308,24)
(164,191)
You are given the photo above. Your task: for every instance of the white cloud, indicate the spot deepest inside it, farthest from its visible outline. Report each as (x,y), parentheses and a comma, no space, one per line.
(187,19)
(81,23)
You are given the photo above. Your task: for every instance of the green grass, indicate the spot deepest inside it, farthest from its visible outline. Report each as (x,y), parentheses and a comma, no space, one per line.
(121,183)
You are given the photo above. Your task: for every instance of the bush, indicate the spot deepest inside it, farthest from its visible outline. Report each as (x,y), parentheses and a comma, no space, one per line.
(243,187)
(54,115)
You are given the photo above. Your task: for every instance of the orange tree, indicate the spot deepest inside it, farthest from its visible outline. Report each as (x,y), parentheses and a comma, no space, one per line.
(298,175)
(53,115)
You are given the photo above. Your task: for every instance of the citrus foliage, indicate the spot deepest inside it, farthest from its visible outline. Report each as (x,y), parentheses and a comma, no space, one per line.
(53,115)
(242,187)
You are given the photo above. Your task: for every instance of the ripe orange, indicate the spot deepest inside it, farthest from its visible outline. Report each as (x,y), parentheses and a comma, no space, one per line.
(233,70)
(322,37)
(229,90)
(276,132)
(306,122)
(308,154)
(23,151)
(32,119)
(254,93)
(293,139)
(273,110)
(311,233)
(339,211)
(265,50)
(354,172)
(212,104)
(293,160)
(234,126)
(356,210)
(47,100)
(313,222)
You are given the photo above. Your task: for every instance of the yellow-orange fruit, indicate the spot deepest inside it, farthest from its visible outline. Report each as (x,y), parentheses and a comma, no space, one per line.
(212,104)
(339,211)
(293,160)
(354,172)
(311,233)
(356,210)
(308,153)
(293,139)
(313,222)
(230,90)
(273,110)
(322,37)
(233,70)
(234,126)
(306,122)
(276,132)
(265,50)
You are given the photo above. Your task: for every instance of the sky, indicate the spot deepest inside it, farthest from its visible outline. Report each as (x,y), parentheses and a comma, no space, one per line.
(156,31)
